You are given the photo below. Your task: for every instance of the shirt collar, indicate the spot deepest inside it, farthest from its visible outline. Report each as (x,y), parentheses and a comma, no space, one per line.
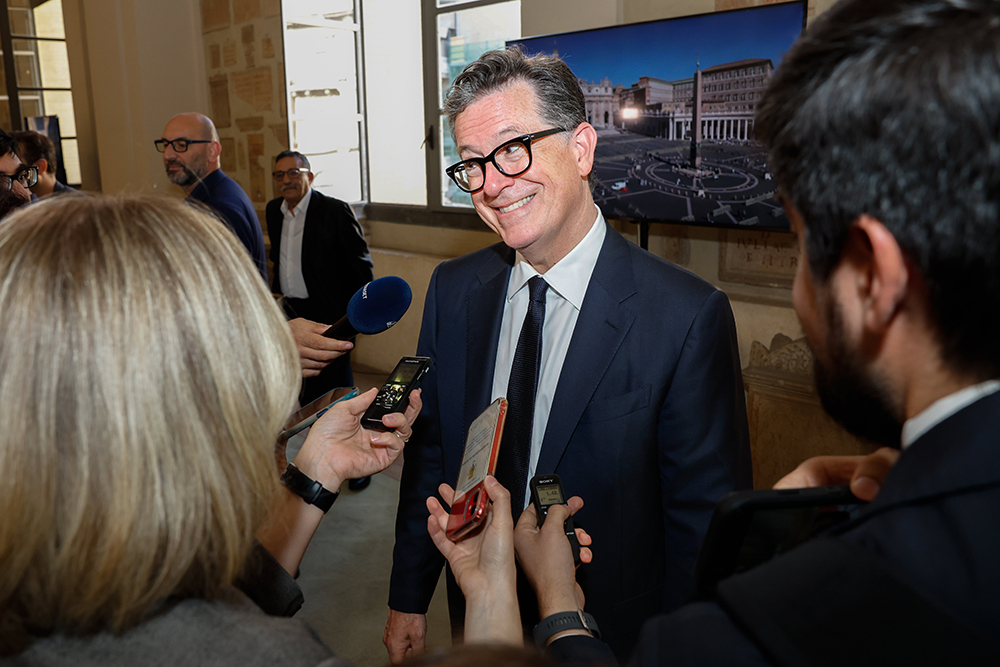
(943,408)
(303,204)
(565,275)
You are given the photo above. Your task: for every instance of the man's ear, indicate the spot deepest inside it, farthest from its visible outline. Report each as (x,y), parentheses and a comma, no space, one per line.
(584,142)
(882,277)
(215,150)
(42,164)
(311,176)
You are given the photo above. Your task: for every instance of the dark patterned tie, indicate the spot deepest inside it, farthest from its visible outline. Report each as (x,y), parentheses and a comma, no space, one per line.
(515,448)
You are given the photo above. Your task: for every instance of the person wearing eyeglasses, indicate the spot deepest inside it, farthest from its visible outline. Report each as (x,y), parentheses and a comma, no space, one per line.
(15,177)
(191,150)
(621,370)
(320,260)
(37,150)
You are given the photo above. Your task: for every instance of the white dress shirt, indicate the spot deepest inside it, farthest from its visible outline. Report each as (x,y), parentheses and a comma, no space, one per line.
(290,257)
(568,280)
(941,409)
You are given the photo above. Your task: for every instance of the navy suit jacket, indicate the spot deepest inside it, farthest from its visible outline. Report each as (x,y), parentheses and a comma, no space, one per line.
(227,199)
(648,423)
(935,524)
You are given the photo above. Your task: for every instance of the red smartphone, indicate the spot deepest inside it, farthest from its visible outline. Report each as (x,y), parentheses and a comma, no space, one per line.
(480,459)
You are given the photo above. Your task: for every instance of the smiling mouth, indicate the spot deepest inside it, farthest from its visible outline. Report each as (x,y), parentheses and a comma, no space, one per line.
(516,205)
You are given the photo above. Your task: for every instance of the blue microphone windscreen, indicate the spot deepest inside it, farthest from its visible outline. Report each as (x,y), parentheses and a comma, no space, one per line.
(379,304)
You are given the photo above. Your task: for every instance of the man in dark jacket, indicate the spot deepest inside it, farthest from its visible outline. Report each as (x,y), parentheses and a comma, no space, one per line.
(320,260)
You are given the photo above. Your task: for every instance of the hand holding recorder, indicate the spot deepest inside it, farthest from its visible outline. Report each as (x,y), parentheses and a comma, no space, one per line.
(547,557)
(338,448)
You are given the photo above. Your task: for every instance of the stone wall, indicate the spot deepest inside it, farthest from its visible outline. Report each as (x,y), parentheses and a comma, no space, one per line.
(244,60)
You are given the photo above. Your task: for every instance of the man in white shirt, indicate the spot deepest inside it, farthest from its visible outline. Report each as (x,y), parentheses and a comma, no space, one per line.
(320,260)
(621,370)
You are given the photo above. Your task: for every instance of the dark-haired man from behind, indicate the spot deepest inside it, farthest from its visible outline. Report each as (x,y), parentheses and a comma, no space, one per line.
(884,138)
(36,149)
(320,260)
(191,150)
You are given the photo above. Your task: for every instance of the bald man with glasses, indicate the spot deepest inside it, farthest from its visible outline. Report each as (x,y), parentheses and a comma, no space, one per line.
(191,150)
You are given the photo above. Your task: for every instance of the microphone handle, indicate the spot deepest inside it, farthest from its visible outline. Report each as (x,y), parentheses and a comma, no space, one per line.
(342,330)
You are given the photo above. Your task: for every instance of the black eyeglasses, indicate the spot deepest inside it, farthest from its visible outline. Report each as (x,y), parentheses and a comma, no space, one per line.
(511,158)
(179,145)
(26,176)
(294,173)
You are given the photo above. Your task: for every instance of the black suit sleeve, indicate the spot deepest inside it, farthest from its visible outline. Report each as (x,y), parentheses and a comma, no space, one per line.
(416,562)
(336,262)
(275,218)
(704,441)
(699,634)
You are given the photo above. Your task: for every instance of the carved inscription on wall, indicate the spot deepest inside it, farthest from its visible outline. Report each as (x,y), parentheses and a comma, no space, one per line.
(254,87)
(787,423)
(218,89)
(258,182)
(757,258)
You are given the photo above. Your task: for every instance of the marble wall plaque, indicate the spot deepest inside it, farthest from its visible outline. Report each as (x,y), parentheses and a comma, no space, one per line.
(258,180)
(218,88)
(229,53)
(757,258)
(214,14)
(249,50)
(245,10)
(227,157)
(251,124)
(254,87)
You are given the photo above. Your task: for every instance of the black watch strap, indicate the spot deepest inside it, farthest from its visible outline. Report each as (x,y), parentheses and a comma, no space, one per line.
(564,620)
(310,490)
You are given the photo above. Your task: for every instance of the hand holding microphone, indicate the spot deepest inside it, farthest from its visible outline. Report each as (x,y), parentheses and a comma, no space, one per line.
(373,309)
(316,351)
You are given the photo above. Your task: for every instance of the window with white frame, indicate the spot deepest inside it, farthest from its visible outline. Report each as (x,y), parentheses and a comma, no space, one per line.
(325,93)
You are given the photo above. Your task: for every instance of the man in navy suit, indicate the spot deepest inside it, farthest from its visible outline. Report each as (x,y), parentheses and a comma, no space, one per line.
(639,398)
(320,260)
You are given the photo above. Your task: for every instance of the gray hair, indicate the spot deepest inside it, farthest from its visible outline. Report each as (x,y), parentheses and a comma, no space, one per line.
(560,99)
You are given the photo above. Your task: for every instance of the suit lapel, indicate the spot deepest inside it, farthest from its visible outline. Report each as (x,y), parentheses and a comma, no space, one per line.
(484,308)
(600,329)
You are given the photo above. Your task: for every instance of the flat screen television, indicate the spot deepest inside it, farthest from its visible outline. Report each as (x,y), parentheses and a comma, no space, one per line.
(667,151)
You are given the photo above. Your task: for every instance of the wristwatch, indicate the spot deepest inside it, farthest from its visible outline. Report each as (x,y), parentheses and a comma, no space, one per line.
(564,620)
(308,489)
